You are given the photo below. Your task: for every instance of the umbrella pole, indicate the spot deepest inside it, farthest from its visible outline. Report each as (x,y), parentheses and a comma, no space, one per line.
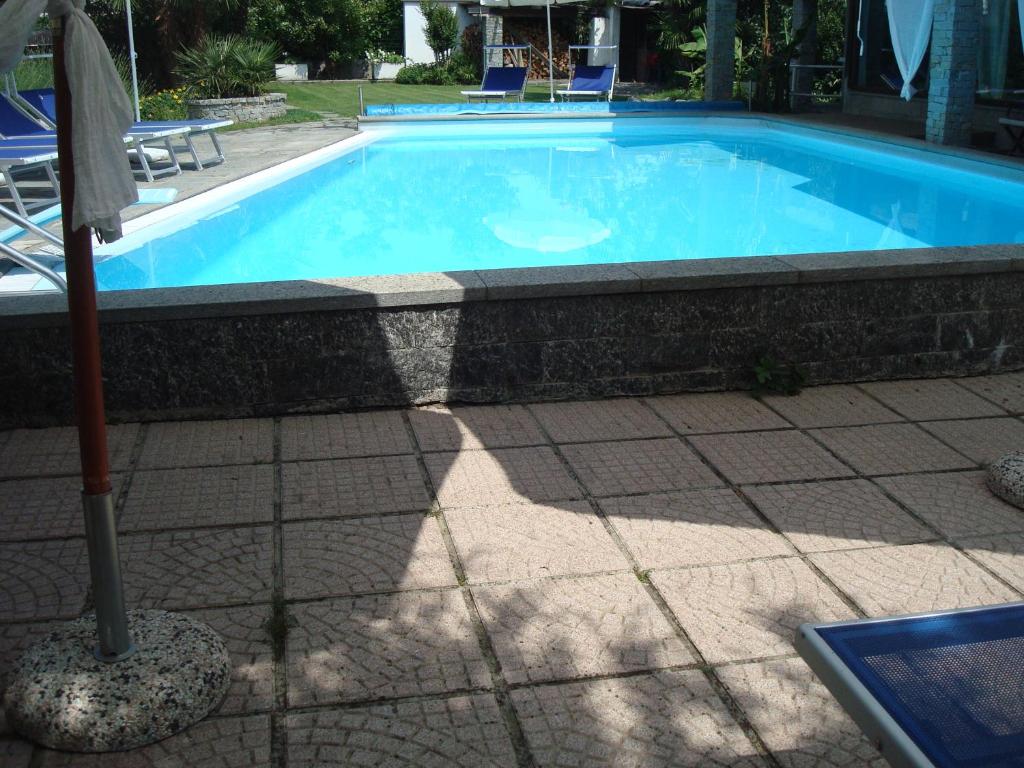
(101,535)
(131,60)
(551,56)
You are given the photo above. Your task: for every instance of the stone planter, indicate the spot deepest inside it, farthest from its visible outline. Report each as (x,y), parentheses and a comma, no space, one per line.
(291,71)
(251,109)
(383,70)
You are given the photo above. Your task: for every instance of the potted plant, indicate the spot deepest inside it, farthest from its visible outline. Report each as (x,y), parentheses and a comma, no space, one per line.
(384,65)
(227,77)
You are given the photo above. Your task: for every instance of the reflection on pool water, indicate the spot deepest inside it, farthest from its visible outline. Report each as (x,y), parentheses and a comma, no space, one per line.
(558,192)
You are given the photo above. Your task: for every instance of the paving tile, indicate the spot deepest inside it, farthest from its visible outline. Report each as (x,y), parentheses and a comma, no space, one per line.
(43,580)
(926,399)
(208,443)
(219,742)
(501,476)
(958,504)
(796,716)
(15,753)
(344,435)
(837,514)
(346,487)
(526,541)
(54,451)
(1003,554)
(579,627)
(638,466)
(592,420)
(197,568)
(367,555)
(890,449)
(43,508)
(710,525)
(666,719)
(244,630)
(1006,390)
(383,646)
(983,440)
(910,579)
(837,405)
(463,731)
(716,412)
(474,426)
(199,496)
(761,457)
(748,610)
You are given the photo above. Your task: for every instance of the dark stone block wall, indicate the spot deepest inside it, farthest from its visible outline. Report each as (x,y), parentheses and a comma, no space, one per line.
(525,349)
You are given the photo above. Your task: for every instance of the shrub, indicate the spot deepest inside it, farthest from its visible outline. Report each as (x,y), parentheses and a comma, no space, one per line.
(327,33)
(456,71)
(164,105)
(225,67)
(442,28)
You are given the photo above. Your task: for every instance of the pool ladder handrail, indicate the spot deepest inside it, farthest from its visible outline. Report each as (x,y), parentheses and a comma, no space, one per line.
(23,259)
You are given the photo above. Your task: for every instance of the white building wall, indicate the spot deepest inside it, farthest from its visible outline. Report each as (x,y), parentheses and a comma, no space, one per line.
(416,48)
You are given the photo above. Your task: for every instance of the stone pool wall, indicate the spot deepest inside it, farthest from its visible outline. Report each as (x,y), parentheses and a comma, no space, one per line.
(523,334)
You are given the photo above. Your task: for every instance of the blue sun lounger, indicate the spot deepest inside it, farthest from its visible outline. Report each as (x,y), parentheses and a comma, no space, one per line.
(41,101)
(14,159)
(17,128)
(500,83)
(590,81)
(938,690)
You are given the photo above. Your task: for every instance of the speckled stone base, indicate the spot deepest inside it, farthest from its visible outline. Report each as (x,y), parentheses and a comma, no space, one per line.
(1006,478)
(59,695)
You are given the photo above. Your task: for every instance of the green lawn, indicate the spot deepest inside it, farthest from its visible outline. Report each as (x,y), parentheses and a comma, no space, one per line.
(343,98)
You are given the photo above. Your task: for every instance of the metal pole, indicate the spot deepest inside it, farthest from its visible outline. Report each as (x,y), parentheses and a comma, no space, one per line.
(551,56)
(115,642)
(131,59)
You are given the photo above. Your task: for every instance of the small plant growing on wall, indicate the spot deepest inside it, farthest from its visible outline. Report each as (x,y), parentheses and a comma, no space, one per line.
(775,377)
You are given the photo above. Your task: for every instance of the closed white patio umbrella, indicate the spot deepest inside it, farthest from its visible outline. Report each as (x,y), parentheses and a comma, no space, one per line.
(547,7)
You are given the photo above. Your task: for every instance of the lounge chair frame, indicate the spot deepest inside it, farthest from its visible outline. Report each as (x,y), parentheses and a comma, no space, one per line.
(519,95)
(31,158)
(881,729)
(569,93)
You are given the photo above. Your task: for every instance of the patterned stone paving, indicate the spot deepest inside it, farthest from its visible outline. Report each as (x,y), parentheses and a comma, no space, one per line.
(638,466)
(344,487)
(528,541)
(561,584)
(889,449)
(383,646)
(579,627)
(594,420)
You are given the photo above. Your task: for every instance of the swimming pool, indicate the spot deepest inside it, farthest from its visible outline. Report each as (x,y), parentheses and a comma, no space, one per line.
(449,196)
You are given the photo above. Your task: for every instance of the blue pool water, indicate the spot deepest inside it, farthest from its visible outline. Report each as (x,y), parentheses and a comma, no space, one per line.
(546,192)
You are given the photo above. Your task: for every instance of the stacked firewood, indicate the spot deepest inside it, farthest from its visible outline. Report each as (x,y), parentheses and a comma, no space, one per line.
(535,33)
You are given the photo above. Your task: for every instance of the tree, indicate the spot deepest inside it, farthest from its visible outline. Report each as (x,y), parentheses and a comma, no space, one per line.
(328,33)
(442,29)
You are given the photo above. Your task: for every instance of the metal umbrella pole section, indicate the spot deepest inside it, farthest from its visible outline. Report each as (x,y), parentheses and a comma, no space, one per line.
(551,56)
(131,59)
(115,642)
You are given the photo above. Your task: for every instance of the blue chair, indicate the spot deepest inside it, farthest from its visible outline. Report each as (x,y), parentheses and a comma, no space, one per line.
(17,126)
(42,101)
(500,83)
(939,690)
(591,82)
(15,159)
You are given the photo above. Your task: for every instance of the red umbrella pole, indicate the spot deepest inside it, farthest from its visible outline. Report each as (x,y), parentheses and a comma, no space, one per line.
(101,534)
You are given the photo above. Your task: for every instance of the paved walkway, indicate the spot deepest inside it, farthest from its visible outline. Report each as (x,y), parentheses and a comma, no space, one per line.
(596,583)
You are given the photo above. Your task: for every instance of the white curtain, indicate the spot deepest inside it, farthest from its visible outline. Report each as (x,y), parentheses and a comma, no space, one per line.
(100,110)
(910,26)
